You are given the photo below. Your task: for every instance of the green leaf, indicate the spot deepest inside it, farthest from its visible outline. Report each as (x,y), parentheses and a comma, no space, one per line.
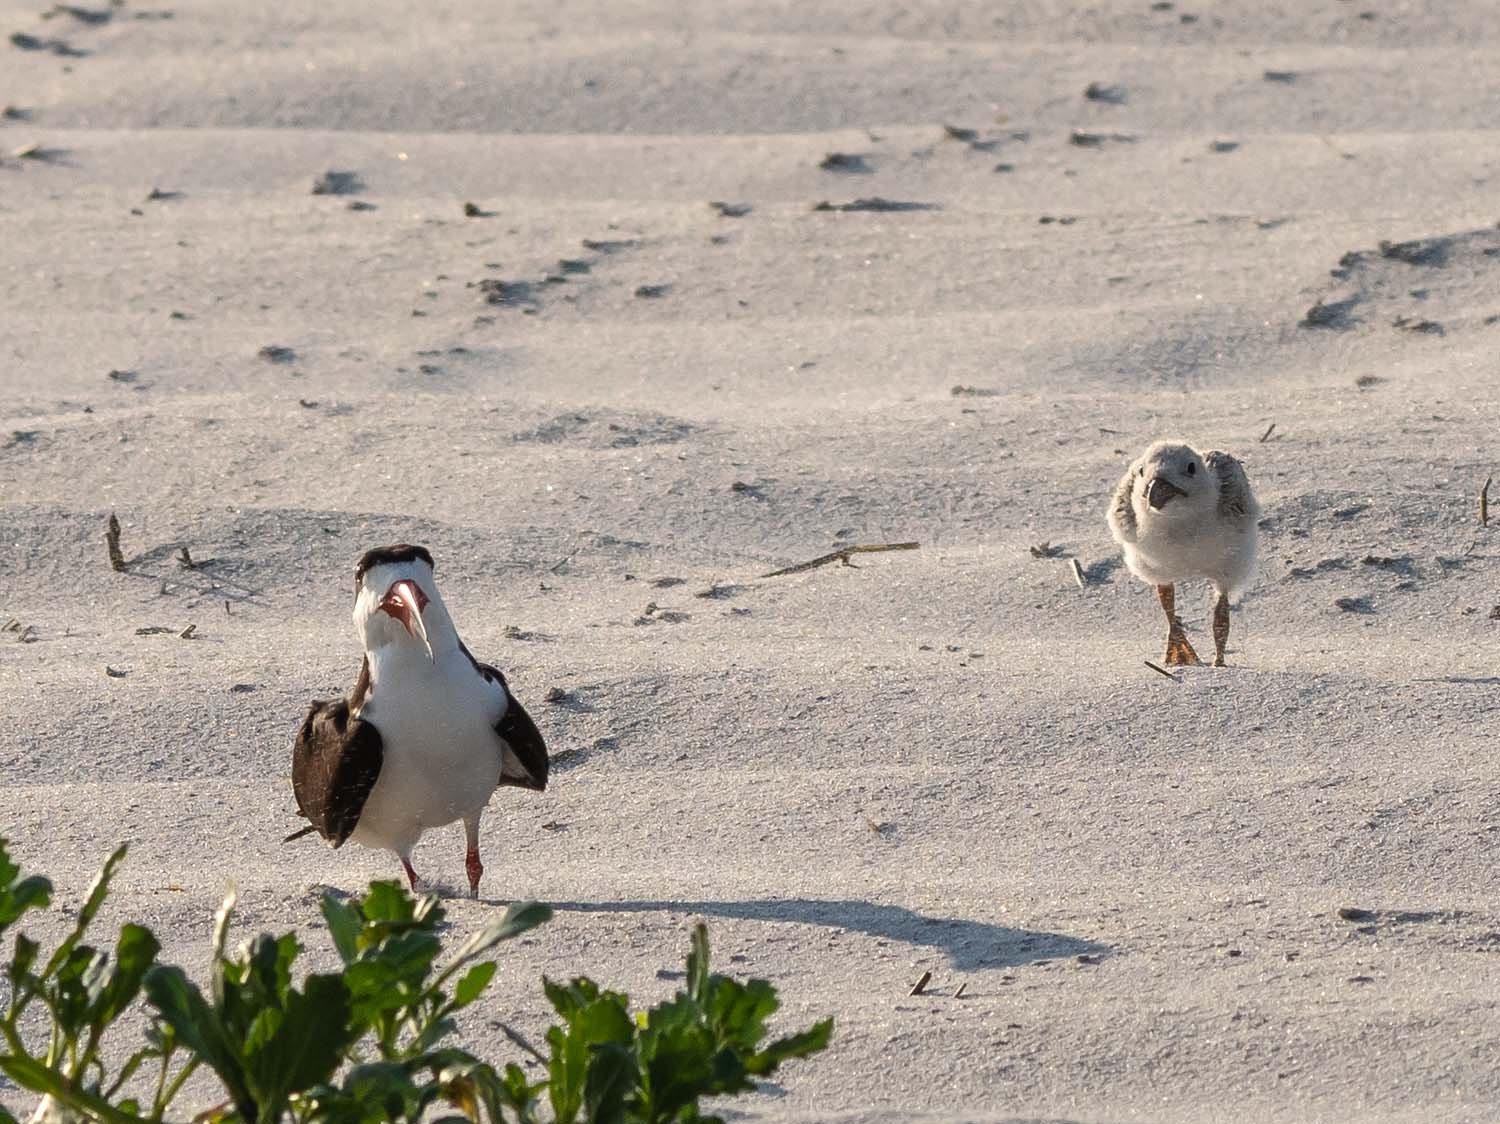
(269,961)
(391,975)
(737,1012)
(343,925)
(304,1047)
(809,1041)
(613,1073)
(20,965)
(97,893)
(519,918)
(518,1093)
(433,1033)
(679,1058)
(263,1027)
(135,951)
(29,893)
(593,1019)
(566,999)
(31,1074)
(473,983)
(69,998)
(386,901)
(182,1007)
(373,1093)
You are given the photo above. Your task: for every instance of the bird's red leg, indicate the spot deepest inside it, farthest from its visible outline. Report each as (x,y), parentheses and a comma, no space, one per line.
(1179,651)
(1221,628)
(411,875)
(472,866)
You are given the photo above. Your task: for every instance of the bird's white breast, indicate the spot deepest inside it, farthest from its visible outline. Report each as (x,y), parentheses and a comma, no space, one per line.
(441,755)
(1172,550)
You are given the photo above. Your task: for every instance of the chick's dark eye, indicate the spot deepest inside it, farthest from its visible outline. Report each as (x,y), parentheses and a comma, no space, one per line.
(1192,470)
(1141,471)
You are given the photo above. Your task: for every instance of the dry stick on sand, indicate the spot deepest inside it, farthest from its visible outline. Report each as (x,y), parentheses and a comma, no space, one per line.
(1484,503)
(1163,671)
(959,994)
(112,540)
(184,559)
(841,556)
(1266,436)
(918,987)
(1078,573)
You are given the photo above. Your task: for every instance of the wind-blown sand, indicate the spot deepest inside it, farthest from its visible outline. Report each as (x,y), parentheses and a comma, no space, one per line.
(951,759)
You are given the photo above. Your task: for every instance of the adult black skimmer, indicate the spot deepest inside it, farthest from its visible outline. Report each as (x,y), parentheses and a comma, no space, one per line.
(428,732)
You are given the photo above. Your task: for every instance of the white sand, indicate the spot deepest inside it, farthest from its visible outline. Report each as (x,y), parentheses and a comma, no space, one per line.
(952,759)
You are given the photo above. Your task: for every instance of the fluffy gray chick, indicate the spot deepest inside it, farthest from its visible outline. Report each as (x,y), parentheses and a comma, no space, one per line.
(1180,515)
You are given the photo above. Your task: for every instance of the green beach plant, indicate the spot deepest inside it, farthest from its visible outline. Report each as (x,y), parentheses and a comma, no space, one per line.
(370,1042)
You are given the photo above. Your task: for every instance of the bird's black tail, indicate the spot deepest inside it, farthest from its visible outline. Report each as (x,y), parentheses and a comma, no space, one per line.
(308,830)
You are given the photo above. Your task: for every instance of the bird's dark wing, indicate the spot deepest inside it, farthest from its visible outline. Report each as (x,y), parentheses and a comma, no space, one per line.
(1235,498)
(335,763)
(523,753)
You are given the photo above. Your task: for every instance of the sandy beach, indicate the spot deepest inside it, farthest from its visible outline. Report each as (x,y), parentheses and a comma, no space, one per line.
(566,310)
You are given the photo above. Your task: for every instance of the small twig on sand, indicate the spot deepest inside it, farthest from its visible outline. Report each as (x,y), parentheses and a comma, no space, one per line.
(1078,573)
(1484,503)
(921,984)
(112,540)
(562,562)
(959,994)
(841,556)
(184,559)
(1266,436)
(227,613)
(1163,671)
(187,633)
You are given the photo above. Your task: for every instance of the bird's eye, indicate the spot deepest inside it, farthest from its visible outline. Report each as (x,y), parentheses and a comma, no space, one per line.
(1192,470)
(1141,471)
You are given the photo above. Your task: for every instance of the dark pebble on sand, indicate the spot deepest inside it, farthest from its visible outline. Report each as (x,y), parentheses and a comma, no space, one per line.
(1110,95)
(847,162)
(337,183)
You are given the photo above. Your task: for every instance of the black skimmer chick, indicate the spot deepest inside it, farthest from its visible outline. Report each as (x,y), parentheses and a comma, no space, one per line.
(426,735)
(1181,515)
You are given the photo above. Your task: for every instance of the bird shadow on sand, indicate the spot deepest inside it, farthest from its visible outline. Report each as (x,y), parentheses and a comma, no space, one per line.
(969,945)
